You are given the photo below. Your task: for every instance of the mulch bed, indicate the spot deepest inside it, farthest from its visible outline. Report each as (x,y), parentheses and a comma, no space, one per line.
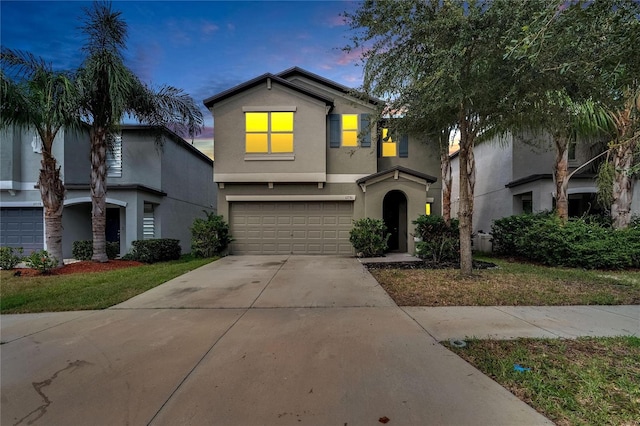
(81,267)
(425,264)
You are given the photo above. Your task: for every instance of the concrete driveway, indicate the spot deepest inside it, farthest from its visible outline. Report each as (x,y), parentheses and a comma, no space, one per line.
(251,340)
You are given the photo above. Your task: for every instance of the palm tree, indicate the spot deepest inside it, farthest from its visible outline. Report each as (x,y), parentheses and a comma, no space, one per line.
(622,165)
(109,92)
(35,96)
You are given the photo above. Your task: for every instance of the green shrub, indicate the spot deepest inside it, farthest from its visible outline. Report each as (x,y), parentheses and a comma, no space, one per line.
(83,250)
(369,237)
(9,259)
(580,243)
(155,250)
(506,231)
(440,243)
(42,261)
(210,236)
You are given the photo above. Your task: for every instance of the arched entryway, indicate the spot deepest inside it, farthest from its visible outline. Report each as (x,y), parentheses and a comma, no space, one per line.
(394,214)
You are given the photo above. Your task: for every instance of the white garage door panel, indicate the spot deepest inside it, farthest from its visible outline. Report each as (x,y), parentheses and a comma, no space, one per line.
(291,227)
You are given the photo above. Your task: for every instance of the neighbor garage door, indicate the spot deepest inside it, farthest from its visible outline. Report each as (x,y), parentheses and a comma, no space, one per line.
(291,227)
(22,227)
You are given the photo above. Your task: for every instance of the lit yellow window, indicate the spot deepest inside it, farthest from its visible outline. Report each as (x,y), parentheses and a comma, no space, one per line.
(349,129)
(282,122)
(257,122)
(257,142)
(427,209)
(269,132)
(389,146)
(282,142)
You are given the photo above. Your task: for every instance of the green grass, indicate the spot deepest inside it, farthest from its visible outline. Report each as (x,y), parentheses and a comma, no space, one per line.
(512,283)
(591,381)
(83,291)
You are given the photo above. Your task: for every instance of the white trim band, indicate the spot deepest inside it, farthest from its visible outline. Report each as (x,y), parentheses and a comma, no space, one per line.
(17,185)
(21,204)
(269,177)
(232,198)
(81,200)
(344,178)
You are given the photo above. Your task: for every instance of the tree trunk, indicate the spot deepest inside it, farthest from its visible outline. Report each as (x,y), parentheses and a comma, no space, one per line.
(99,193)
(445,173)
(562,176)
(52,194)
(622,186)
(467,183)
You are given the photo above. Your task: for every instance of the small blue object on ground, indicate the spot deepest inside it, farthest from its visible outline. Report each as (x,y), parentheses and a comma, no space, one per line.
(518,367)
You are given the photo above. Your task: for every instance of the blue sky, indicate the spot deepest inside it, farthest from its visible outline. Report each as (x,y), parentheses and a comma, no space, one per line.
(202,47)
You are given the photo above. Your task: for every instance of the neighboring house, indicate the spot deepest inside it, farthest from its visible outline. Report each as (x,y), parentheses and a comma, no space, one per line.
(152,191)
(299,157)
(514,177)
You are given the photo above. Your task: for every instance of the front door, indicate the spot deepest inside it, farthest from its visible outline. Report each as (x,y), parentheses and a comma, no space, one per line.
(112,231)
(394,214)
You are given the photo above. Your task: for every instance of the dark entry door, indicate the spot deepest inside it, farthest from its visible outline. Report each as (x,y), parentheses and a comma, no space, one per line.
(112,231)
(394,214)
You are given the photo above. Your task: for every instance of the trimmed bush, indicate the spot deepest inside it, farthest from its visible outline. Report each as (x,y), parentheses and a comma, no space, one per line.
(369,237)
(210,236)
(440,243)
(9,259)
(42,261)
(578,243)
(155,250)
(507,231)
(83,250)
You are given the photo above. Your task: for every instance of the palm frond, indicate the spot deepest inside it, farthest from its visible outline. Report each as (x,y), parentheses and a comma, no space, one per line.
(169,107)
(105,30)
(19,64)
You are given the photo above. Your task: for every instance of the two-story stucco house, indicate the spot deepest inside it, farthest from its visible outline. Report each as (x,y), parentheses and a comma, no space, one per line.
(514,177)
(153,191)
(299,157)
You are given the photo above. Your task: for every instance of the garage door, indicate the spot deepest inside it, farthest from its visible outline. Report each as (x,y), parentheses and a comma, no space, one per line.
(22,227)
(291,227)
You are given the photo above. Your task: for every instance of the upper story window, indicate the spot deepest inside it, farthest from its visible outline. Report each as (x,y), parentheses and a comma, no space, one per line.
(269,132)
(572,151)
(349,130)
(114,157)
(389,145)
(392,145)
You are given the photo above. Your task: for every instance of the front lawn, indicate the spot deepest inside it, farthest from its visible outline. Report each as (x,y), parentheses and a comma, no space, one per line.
(83,291)
(510,284)
(590,381)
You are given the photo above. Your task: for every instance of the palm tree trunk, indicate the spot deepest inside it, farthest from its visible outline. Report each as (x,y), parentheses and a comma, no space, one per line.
(99,193)
(622,186)
(52,194)
(467,183)
(445,173)
(562,176)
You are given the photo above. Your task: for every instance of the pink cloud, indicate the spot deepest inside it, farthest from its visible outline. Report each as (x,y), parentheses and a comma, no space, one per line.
(348,57)
(336,21)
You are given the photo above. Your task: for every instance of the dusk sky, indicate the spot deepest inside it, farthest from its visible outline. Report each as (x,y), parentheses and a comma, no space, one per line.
(202,47)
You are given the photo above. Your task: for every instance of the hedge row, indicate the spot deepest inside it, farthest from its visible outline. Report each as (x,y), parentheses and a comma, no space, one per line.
(154,250)
(83,250)
(577,243)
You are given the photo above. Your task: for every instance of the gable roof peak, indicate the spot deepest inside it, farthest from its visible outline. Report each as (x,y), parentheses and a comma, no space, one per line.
(324,81)
(209,102)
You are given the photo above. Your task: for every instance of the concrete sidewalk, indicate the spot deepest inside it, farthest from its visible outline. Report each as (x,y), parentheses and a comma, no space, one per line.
(252,340)
(509,322)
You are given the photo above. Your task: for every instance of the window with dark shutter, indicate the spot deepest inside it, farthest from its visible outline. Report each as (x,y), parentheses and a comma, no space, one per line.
(403,148)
